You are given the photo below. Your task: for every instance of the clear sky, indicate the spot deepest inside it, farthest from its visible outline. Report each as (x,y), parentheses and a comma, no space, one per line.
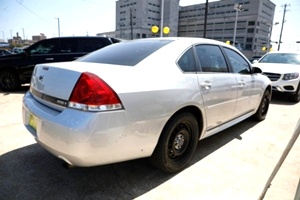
(89,17)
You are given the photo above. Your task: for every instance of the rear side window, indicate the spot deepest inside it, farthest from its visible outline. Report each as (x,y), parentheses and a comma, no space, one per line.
(125,53)
(92,44)
(211,58)
(187,61)
(68,45)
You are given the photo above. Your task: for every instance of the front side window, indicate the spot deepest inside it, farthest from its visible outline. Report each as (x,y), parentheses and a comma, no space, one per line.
(44,47)
(211,58)
(237,62)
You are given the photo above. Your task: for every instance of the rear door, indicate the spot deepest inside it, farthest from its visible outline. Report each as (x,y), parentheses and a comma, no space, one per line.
(217,85)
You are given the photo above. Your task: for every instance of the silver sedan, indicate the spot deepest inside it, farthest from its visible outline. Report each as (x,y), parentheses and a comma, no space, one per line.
(151,98)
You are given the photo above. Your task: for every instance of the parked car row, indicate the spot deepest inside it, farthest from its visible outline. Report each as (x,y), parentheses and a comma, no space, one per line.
(154,97)
(16,69)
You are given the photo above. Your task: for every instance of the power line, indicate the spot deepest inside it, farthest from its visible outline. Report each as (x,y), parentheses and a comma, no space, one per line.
(21,3)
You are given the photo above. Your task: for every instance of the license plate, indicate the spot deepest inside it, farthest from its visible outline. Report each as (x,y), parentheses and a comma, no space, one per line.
(33,121)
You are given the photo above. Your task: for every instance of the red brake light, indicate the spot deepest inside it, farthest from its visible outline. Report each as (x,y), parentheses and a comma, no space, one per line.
(93,94)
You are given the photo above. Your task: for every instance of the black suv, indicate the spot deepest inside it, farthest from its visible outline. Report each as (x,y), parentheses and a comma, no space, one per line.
(16,69)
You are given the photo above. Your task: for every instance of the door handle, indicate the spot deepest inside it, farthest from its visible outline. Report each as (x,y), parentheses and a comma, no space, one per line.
(49,58)
(241,84)
(206,85)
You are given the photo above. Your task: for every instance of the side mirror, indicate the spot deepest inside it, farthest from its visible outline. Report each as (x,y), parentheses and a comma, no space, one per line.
(256,70)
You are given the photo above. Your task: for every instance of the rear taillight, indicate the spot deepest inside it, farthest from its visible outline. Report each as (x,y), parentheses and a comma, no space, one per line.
(91,93)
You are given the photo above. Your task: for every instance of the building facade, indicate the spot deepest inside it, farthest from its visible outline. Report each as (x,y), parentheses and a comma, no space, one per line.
(135,18)
(251,20)
(248,22)
(36,38)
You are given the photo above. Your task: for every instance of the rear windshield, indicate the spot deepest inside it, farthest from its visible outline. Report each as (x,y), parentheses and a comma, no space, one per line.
(125,53)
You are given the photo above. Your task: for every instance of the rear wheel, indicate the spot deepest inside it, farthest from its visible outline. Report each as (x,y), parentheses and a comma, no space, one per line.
(263,108)
(9,80)
(177,143)
(296,97)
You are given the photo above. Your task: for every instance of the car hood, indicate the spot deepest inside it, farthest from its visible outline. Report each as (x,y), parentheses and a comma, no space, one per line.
(277,67)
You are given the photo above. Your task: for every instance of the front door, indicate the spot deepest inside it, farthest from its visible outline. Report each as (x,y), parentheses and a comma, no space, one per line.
(217,85)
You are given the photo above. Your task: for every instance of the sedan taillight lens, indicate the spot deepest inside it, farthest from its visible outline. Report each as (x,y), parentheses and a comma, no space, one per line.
(290,76)
(91,93)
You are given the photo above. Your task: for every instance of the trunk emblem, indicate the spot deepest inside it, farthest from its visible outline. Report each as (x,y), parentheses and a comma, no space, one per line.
(41,78)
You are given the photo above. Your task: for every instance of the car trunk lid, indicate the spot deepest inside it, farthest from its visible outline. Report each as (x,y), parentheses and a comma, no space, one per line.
(52,84)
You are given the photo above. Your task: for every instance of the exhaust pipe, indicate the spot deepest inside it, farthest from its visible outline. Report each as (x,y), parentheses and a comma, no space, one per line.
(66,163)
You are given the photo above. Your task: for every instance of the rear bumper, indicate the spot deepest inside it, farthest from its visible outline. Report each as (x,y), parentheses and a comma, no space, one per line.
(87,138)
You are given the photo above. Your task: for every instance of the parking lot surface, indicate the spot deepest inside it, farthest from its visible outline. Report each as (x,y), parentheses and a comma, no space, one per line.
(234,164)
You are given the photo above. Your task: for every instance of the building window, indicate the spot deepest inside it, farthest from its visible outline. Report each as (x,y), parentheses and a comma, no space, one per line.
(249,40)
(251,23)
(250,30)
(248,47)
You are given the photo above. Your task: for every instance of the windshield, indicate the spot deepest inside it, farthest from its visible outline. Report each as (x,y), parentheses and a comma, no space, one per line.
(125,53)
(284,58)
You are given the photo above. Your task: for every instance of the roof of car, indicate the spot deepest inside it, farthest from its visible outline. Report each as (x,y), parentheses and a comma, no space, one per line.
(191,40)
(78,37)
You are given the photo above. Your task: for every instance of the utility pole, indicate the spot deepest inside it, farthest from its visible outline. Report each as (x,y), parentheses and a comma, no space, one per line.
(162,18)
(238,8)
(23,35)
(205,18)
(3,36)
(283,20)
(131,25)
(270,34)
(58,24)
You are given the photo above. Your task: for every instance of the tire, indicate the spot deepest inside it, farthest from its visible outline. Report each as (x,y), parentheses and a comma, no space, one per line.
(263,108)
(9,80)
(177,143)
(296,97)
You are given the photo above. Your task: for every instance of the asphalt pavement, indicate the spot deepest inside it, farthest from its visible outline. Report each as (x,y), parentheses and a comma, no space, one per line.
(234,164)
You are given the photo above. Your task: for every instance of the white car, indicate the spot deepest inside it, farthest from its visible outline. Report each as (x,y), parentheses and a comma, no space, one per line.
(283,69)
(143,98)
